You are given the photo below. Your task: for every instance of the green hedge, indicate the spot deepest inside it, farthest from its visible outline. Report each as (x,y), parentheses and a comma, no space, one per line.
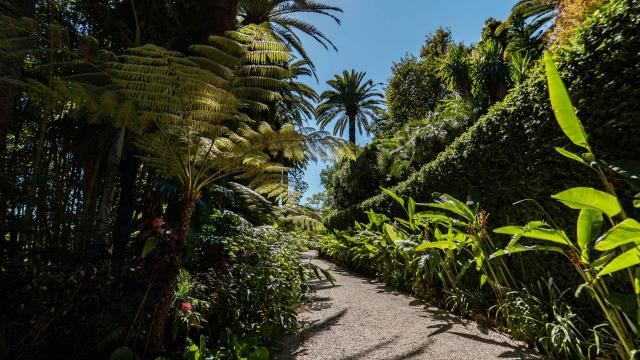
(508,155)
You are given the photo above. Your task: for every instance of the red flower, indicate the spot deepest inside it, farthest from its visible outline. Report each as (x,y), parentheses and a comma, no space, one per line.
(157,223)
(186,307)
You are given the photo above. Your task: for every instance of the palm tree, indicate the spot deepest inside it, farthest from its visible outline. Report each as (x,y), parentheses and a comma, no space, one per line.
(351,101)
(538,15)
(278,15)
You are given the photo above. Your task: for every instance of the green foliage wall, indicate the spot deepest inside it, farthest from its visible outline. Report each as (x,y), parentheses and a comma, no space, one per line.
(508,155)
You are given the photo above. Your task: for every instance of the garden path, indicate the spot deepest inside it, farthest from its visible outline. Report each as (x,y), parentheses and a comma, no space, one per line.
(361,318)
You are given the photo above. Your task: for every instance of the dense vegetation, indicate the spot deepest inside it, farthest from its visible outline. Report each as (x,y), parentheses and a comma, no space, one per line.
(152,154)
(489,136)
(143,145)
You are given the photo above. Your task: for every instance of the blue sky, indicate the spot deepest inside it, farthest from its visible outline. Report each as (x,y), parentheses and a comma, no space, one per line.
(376,33)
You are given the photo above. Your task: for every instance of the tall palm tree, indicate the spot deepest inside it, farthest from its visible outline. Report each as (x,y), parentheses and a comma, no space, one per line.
(352,101)
(278,14)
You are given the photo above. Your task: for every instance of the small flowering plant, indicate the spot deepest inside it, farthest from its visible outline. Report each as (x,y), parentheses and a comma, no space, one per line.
(188,310)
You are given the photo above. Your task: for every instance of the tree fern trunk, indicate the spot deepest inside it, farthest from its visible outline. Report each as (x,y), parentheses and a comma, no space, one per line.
(126,206)
(106,203)
(167,277)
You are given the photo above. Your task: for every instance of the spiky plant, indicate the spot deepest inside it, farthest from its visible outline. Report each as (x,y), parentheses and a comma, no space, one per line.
(455,70)
(490,71)
(279,16)
(352,101)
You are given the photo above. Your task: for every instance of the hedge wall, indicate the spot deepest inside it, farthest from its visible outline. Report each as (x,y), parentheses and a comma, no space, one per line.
(508,155)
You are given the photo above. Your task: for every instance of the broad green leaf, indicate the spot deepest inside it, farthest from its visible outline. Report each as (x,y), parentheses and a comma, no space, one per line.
(457,237)
(149,245)
(570,155)
(562,107)
(371,248)
(483,279)
(636,200)
(411,208)
(589,225)
(625,232)
(589,198)
(394,196)
(391,232)
(447,206)
(539,233)
(448,199)
(442,245)
(625,260)
(260,353)
(509,230)
(521,248)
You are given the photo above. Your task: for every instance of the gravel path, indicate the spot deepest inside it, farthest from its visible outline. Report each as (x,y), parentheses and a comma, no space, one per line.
(363,319)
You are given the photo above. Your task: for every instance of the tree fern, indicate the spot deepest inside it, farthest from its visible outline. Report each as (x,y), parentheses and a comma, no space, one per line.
(252,62)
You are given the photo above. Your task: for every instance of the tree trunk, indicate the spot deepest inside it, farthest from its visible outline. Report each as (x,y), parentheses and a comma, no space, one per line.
(104,209)
(220,16)
(126,207)
(167,277)
(9,67)
(352,129)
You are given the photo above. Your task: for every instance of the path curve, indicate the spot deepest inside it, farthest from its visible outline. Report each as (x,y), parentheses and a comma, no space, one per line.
(363,319)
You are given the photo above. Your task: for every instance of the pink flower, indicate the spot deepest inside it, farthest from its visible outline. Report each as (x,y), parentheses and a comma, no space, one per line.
(157,223)
(186,307)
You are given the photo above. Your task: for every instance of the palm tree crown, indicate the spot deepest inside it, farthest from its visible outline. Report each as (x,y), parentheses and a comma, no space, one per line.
(278,15)
(352,100)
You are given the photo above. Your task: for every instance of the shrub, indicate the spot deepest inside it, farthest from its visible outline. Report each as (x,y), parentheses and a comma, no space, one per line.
(508,155)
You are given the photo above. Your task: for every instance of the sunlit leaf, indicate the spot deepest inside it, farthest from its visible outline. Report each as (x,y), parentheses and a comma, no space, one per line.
(394,196)
(625,260)
(570,155)
(589,198)
(562,107)
(588,227)
(623,233)
(442,245)
(539,233)
(522,248)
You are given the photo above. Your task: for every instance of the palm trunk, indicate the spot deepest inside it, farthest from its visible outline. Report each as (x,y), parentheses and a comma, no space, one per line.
(104,210)
(352,129)
(167,277)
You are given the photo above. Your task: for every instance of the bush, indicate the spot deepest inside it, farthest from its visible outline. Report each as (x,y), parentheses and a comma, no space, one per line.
(508,155)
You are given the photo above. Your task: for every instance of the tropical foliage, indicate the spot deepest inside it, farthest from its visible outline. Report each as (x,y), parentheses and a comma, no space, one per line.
(152,157)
